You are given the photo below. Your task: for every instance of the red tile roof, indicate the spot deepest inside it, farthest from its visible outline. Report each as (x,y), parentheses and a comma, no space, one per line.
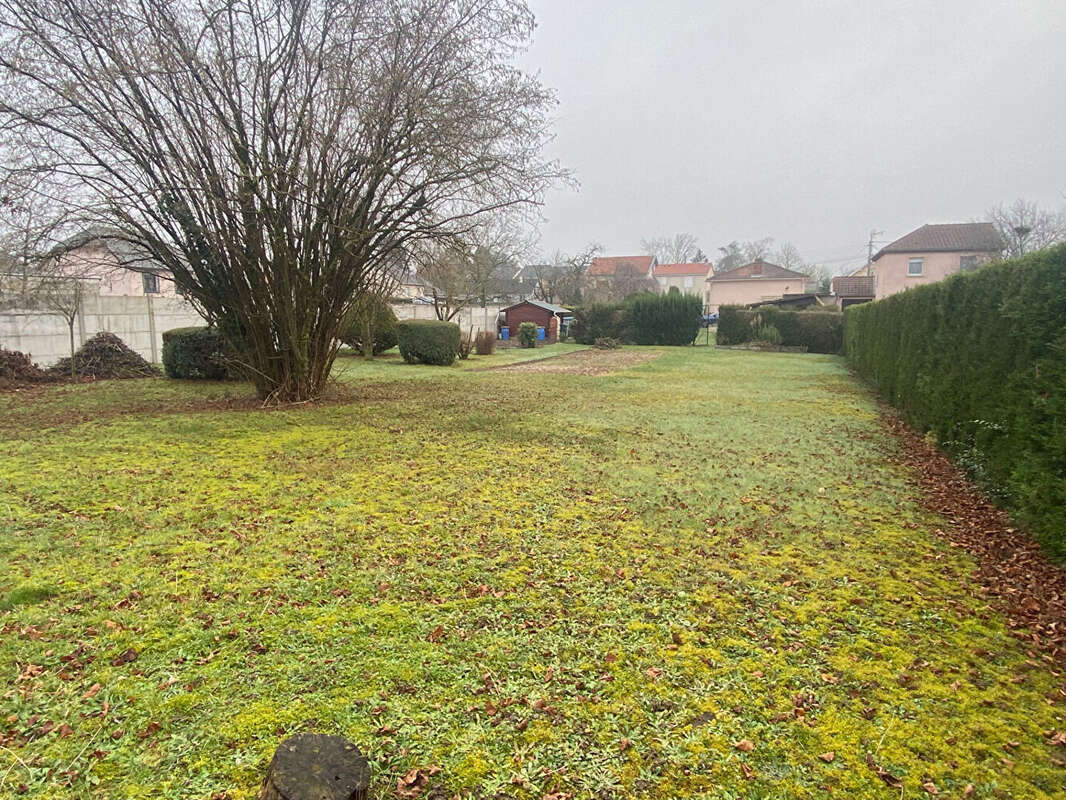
(608,265)
(757,270)
(678,270)
(980,237)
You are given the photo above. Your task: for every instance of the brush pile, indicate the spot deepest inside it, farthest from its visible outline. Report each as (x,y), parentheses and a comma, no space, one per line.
(105,356)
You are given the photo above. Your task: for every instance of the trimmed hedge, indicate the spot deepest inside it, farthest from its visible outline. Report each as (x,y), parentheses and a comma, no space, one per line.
(664,319)
(979,359)
(657,319)
(820,331)
(194,353)
(428,341)
(527,334)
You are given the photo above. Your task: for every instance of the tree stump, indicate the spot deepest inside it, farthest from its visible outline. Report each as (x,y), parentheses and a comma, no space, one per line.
(311,766)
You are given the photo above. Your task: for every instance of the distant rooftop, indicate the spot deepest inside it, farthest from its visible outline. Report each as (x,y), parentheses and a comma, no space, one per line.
(682,270)
(757,270)
(609,265)
(980,237)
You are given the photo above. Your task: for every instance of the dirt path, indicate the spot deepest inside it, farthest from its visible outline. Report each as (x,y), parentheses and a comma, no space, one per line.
(583,362)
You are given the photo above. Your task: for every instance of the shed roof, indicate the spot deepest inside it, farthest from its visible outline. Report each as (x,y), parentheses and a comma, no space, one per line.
(554,309)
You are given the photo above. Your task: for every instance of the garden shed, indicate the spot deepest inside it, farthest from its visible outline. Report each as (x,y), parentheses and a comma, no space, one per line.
(555,320)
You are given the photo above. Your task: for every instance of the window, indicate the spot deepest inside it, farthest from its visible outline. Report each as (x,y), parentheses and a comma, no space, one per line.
(150,281)
(688,281)
(662,281)
(968,263)
(916,266)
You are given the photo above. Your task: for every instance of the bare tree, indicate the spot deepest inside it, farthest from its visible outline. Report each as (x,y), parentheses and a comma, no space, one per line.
(1025,227)
(680,248)
(274,155)
(562,280)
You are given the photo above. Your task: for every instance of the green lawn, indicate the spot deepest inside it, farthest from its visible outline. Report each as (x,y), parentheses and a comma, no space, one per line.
(564,585)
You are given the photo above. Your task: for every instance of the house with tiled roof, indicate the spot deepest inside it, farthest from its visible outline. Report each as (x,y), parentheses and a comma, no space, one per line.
(933,252)
(616,277)
(850,290)
(687,278)
(752,283)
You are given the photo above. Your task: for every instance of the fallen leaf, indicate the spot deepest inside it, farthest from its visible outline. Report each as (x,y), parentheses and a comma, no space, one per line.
(436,636)
(749,773)
(930,787)
(653,672)
(92,691)
(745,746)
(828,757)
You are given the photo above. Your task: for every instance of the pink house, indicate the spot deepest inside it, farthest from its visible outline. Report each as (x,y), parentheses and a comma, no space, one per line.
(752,283)
(931,253)
(122,268)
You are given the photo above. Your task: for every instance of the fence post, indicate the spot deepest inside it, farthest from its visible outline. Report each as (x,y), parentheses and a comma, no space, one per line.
(312,766)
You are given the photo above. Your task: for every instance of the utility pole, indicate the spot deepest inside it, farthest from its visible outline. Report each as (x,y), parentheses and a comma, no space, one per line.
(870,249)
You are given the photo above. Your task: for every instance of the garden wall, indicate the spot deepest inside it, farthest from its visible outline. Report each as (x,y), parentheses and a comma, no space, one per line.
(137,321)
(979,360)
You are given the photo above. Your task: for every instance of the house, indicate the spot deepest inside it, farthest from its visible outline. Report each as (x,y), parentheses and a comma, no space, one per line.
(617,277)
(688,278)
(931,253)
(410,287)
(554,319)
(852,289)
(122,268)
(752,283)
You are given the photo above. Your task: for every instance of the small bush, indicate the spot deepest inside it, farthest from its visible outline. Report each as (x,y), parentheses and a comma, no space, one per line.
(527,334)
(766,334)
(818,331)
(106,356)
(607,343)
(466,345)
(671,319)
(428,341)
(194,354)
(370,316)
(485,344)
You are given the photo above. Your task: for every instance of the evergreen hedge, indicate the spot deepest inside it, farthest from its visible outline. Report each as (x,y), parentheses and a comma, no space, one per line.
(656,319)
(194,354)
(979,359)
(663,319)
(819,330)
(428,341)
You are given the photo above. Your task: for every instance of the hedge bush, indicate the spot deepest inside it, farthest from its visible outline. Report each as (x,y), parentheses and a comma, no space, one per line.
(820,331)
(663,319)
(647,318)
(485,343)
(428,341)
(370,314)
(194,353)
(979,359)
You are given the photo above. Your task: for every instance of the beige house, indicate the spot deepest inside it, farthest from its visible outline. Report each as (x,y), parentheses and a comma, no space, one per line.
(687,278)
(752,283)
(120,267)
(932,253)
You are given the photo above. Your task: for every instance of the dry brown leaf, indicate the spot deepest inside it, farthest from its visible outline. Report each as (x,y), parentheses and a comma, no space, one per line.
(745,745)
(828,757)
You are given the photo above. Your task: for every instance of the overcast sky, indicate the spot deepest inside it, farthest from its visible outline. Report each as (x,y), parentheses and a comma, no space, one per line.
(812,121)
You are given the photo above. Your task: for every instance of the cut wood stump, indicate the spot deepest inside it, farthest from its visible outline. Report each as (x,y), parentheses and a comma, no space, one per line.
(311,766)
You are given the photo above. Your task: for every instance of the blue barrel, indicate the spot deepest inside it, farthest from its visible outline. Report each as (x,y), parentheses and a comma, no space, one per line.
(541,334)
(505,333)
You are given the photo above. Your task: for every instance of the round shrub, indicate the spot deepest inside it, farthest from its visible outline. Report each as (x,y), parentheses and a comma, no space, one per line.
(428,341)
(370,316)
(527,334)
(194,354)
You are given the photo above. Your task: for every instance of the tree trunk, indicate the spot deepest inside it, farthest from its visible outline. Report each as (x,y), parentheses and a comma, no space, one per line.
(70,327)
(368,336)
(311,766)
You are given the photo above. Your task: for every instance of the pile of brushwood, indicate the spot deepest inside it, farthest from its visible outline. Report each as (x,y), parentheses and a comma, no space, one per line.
(17,370)
(104,356)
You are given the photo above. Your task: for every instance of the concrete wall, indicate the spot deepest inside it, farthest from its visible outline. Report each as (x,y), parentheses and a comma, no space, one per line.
(742,292)
(891,269)
(469,319)
(138,321)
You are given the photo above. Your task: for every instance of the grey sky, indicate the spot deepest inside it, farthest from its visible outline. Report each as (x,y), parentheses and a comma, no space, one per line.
(810,121)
